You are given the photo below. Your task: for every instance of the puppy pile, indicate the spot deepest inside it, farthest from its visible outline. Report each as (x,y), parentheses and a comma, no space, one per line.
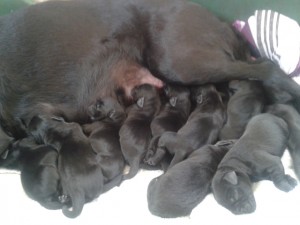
(208,138)
(89,87)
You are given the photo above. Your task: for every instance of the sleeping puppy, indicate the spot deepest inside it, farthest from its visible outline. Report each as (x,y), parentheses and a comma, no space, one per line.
(246,101)
(104,137)
(202,127)
(135,133)
(186,184)
(290,115)
(79,165)
(254,157)
(39,175)
(172,116)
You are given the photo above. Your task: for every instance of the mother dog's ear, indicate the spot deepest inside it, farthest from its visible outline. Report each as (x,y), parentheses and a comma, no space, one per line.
(231,177)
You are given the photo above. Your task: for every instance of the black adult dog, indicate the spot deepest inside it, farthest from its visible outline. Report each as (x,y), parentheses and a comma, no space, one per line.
(135,133)
(39,172)
(172,116)
(202,127)
(59,57)
(185,185)
(246,101)
(254,157)
(291,116)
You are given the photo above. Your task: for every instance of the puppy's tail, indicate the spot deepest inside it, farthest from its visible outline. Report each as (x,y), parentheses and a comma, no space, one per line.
(78,202)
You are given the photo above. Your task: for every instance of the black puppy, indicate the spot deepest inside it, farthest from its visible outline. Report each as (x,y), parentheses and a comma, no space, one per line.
(79,165)
(186,184)
(135,133)
(39,174)
(202,127)
(104,137)
(172,116)
(254,157)
(246,101)
(290,115)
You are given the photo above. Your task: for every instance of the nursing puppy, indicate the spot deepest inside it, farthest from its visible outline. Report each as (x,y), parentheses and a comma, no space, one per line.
(255,156)
(246,101)
(176,192)
(173,114)
(290,115)
(104,137)
(202,127)
(135,133)
(39,174)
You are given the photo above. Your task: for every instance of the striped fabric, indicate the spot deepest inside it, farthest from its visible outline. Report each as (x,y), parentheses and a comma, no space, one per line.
(276,37)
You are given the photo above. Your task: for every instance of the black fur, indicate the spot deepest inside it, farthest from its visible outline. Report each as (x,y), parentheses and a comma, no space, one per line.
(81,174)
(246,101)
(202,127)
(58,58)
(186,184)
(39,173)
(5,142)
(172,116)
(255,156)
(104,138)
(135,133)
(291,116)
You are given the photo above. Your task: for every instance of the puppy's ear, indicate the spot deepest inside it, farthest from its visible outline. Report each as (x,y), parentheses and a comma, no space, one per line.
(199,99)
(231,177)
(173,101)
(140,102)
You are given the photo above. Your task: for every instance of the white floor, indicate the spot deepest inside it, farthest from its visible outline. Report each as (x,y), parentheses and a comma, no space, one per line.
(127,204)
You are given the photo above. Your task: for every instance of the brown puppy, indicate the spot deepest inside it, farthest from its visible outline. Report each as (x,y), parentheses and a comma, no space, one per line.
(202,127)
(135,133)
(173,115)
(255,156)
(246,101)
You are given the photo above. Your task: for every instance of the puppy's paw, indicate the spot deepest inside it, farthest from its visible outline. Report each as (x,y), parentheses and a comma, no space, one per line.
(149,158)
(63,199)
(286,184)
